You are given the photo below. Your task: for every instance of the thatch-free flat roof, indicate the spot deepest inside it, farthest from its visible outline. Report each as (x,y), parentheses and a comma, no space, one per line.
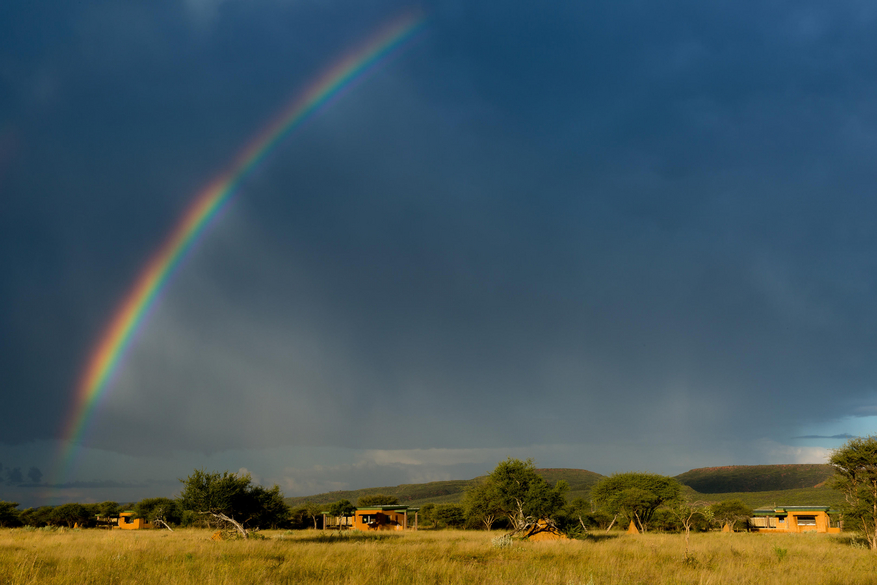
(785,510)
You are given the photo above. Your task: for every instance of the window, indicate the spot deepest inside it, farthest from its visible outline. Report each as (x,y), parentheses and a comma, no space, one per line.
(806,520)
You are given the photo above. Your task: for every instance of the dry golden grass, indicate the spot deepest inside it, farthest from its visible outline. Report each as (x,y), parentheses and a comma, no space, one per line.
(189,556)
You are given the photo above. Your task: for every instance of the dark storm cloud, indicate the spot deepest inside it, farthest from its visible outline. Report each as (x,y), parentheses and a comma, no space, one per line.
(14,476)
(580,224)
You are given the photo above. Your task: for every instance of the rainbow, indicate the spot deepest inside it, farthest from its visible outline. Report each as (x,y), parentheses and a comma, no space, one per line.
(116,339)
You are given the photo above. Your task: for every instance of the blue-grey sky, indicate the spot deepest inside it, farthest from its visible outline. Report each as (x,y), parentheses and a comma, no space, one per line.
(608,235)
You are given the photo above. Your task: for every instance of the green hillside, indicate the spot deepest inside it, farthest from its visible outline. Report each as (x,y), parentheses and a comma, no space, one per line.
(756,485)
(755,478)
(411,493)
(451,492)
(820,496)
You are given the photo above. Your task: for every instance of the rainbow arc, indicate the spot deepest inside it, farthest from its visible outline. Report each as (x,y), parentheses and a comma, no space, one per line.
(117,337)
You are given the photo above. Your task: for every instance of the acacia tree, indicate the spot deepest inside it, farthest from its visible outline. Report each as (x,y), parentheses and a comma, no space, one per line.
(163,511)
(313,511)
(377,500)
(450,515)
(482,503)
(855,469)
(730,512)
(232,499)
(586,513)
(687,513)
(8,514)
(341,509)
(635,495)
(70,514)
(522,495)
(427,514)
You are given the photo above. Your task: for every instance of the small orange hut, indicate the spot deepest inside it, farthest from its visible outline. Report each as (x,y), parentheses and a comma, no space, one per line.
(793,519)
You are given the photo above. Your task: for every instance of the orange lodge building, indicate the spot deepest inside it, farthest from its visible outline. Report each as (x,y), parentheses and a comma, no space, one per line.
(793,519)
(373,518)
(127,521)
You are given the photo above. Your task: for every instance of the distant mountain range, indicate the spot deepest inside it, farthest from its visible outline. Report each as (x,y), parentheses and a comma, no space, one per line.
(756,485)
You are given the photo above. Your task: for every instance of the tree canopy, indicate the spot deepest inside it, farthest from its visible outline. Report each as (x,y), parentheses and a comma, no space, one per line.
(163,511)
(232,498)
(482,504)
(450,515)
(8,514)
(521,494)
(70,514)
(377,500)
(342,508)
(730,512)
(855,468)
(635,495)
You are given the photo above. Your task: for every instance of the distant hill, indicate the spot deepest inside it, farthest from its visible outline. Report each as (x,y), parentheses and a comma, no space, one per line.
(451,492)
(821,496)
(756,485)
(755,478)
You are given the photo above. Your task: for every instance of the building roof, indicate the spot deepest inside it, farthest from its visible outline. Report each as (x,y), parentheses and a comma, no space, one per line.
(785,510)
(393,508)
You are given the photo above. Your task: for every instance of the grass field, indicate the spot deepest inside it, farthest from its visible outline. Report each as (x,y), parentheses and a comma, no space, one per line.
(444,557)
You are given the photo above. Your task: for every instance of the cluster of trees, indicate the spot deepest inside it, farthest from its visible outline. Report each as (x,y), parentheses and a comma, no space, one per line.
(216,499)
(68,515)
(513,496)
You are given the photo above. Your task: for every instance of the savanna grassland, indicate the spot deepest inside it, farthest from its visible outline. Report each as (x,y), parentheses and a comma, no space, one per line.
(448,557)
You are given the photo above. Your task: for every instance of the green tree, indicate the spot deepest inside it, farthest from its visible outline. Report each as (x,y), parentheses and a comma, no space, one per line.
(482,504)
(450,515)
(105,512)
(730,512)
(163,511)
(341,509)
(232,499)
(70,514)
(522,495)
(427,514)
(36,516)
(313,511)
(298,518)
(108,509)
(635,495)
(269,509)
(855,476)
(190,518)
(581,512)
(687,515)
(8,514)
(377,500)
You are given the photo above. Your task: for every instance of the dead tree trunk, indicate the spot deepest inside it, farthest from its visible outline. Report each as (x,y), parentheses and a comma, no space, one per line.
(163,523)
(228,519)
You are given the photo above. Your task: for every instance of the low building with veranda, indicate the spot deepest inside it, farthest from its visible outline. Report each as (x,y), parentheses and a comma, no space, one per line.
(373,518)
(794,519)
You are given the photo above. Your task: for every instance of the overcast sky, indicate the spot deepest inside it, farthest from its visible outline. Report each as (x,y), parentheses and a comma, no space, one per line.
(607,235)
